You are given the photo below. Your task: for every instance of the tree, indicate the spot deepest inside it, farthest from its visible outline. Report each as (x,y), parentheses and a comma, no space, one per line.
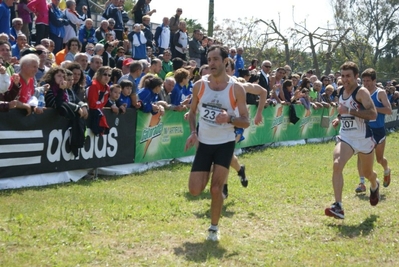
(375,25)
(192,25)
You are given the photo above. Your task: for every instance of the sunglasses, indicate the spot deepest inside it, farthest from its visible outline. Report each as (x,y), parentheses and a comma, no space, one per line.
(267,66)
(106,74)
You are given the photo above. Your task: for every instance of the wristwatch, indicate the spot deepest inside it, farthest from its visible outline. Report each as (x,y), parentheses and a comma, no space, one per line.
(232,119)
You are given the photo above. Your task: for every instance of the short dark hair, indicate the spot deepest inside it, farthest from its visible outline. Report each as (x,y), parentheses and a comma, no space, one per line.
(224,53)
(153,82)
(349,65)
(126,83)
(177,63)
(134,66)
(370,72)
(76,40)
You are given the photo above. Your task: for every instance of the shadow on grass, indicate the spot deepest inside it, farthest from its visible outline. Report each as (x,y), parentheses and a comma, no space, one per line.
(204,195)
(362,229)
(225,212)
(366,197)
(200,252)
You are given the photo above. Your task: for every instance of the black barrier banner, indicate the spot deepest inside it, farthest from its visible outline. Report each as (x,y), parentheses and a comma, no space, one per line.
(38,143)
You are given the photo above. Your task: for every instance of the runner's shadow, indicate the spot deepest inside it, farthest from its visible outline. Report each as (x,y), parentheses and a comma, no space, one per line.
(200,252)
(366,197)
(225,212)
(363,229)
(204,195)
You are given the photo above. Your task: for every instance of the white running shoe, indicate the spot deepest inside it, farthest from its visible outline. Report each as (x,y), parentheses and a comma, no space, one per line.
(213,235)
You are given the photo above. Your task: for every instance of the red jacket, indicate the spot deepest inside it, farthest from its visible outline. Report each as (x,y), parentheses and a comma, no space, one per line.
(98,95)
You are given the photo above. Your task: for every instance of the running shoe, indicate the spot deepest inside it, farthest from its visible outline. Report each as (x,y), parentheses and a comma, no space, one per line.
(225,191)
(213,235)
(335,211)
(361,188)
(387,179)
(243,178)
(375,196)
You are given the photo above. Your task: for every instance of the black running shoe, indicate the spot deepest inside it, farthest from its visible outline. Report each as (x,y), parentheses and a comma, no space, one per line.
(375,195)
(243,178)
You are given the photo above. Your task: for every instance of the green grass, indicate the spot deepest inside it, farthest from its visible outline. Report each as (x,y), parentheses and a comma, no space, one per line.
(150,219)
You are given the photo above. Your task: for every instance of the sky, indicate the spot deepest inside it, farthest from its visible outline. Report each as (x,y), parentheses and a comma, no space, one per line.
(316,12)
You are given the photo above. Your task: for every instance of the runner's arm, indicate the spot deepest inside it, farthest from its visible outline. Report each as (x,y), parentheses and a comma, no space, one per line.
(242,121)
(369,112)
(386,109)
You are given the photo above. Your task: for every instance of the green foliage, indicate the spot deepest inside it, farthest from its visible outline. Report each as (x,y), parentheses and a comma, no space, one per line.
(192,24)
(150,219)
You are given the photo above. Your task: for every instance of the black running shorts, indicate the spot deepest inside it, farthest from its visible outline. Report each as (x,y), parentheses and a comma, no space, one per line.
(219,154)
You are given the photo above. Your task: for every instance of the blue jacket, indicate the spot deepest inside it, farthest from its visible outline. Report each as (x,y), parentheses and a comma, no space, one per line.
(125,100)
(4,18)
(176,94)
(147,98)
(239,61)
(116,14)
(138,52)
(86,34)
(13,32)
(159,39)
(57,21)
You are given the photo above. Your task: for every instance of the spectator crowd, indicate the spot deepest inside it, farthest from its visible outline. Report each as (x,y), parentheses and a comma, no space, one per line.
(82,69)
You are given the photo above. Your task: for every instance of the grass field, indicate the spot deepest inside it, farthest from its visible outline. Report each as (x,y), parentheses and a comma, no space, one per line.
(150,219)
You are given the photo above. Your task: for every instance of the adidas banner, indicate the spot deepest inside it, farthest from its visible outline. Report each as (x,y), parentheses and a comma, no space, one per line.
(39,143)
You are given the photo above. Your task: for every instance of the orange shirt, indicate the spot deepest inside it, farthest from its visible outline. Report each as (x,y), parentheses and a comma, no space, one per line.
(60,57)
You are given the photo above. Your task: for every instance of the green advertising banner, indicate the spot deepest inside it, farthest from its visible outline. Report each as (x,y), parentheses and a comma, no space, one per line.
(276,126)
(161,137)
(164,137)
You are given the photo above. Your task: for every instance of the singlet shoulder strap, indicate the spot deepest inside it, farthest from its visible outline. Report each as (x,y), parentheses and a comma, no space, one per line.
(201,90)
(232,96)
